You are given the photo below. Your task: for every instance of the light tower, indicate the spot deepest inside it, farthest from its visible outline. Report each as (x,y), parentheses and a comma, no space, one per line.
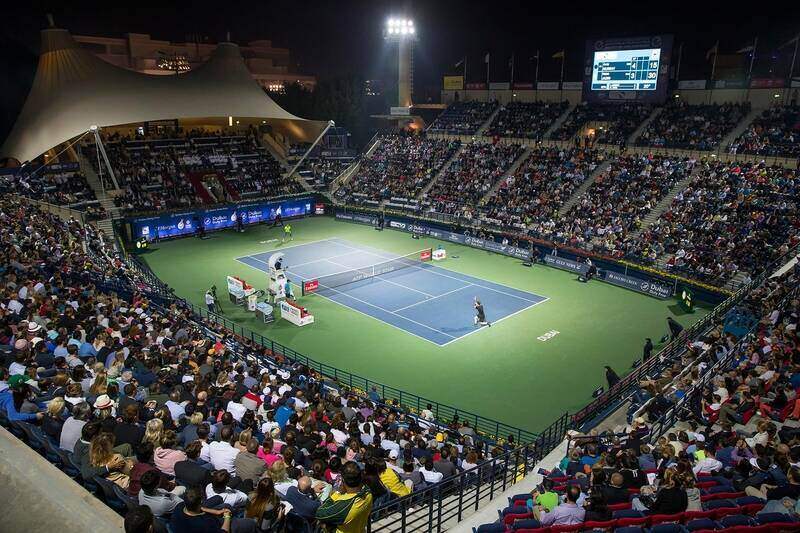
(402,31)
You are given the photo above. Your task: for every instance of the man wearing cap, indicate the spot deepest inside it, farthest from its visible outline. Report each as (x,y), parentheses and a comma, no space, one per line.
(16,382)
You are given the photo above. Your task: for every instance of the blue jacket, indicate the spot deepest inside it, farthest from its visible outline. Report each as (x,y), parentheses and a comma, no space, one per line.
(7,403)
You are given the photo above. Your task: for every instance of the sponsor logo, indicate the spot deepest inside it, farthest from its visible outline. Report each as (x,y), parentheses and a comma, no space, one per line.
(549,335)
(145,231)
(233,216)
(180,224)
(398,225)
(310,286)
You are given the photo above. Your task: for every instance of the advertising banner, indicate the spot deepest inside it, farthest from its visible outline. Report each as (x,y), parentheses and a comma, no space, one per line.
(547,86)
(186,223)
(767,83)
(572,85)
(499,86)
(649,287)
(692,84)
(453,83)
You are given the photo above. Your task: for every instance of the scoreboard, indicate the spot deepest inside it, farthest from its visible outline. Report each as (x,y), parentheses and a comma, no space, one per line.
(626,70)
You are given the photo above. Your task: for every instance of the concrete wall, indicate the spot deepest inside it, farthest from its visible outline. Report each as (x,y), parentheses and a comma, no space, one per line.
(37,496)
(759,98)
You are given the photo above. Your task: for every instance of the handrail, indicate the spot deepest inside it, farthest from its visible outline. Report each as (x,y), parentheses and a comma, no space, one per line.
(668,419)
(429,509)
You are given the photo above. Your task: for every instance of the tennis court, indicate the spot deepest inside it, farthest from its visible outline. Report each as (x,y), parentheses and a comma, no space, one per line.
(430,302)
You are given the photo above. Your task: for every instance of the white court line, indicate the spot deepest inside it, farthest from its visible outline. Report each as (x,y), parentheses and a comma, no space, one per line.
(434,298)
(289,248)
(320,260)
(495,322)
(390,312)
(378,276)
(374,317)
(452,277)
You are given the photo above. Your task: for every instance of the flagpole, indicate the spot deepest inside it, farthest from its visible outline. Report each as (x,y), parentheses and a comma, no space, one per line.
(536,76)
(678,68)
(512,71)
(713,70)
(563,60)
(752,60)
(488,61)
(791,69)
(465,72)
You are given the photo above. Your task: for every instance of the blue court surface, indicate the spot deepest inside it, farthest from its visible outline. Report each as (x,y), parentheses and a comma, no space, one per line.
(423,299)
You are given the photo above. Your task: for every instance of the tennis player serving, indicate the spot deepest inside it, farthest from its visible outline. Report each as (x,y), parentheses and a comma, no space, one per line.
(480,315)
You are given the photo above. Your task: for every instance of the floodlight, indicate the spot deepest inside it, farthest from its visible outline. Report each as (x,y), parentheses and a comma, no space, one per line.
(411,30)
(93,127)
(404,30)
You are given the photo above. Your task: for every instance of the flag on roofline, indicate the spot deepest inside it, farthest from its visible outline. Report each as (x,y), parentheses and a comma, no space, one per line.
(713,50)
(486,59)
(558,55)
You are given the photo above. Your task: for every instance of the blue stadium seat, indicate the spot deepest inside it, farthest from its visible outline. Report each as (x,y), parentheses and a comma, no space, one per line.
(701,523)
(736,520)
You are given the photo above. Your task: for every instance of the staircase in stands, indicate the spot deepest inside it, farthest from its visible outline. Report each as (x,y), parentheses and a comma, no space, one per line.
(487,122)
(739,129)
(661,207)
(105,199)
(643,126)
(558,122)
(441,172)
(513,169)
(583,187)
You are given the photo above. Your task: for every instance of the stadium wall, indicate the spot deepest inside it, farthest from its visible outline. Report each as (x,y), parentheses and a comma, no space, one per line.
(758,98)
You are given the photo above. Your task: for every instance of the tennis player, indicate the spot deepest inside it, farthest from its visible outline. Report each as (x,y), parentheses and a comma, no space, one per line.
(480,315)
(287,233)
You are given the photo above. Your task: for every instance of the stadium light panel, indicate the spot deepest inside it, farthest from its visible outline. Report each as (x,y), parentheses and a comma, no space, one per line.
(411,30)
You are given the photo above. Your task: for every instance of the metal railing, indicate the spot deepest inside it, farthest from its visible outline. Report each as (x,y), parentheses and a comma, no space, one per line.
(693,395)
(450,500)
(613,397)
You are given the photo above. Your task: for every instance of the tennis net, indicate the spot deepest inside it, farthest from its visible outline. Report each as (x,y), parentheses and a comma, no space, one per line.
(338,279)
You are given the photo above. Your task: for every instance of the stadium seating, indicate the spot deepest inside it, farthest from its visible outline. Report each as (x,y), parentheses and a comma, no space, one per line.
(618,121)
(693,127)
(527,120)
(114,355)
(731,217)
(616,202)
(468,178)
(463,118)
(400,166)
(545,180)
(713,464)
(180,170)
(776,132)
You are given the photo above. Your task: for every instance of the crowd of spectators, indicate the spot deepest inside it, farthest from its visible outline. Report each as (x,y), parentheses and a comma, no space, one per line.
(693,127)
(153,170)
(731,217)
(731,457)
(320,172)
(527,120)
(540,186)
(470,176)
(618,121)
(54,184)
(613,207)
(776,132)
(180,420)
(401,166)
(463,118)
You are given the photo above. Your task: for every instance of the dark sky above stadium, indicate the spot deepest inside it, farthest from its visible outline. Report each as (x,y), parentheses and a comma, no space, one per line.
(330,38)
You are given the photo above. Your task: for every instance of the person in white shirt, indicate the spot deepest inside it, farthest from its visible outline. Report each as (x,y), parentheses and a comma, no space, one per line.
(707,465)
(427,413)
(219,487)
(176,409)
(430,475)
(392,462)
(222,454)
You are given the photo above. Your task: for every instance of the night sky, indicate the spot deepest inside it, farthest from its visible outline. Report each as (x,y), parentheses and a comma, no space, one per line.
(335,38)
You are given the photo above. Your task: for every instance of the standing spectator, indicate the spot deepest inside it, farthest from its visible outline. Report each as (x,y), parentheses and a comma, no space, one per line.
(348,509)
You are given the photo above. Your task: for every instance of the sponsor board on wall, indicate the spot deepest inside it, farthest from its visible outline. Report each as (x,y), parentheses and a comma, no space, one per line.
(649,287)
(186,223)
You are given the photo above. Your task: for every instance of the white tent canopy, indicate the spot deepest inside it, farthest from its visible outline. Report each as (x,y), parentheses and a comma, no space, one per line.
(74,90)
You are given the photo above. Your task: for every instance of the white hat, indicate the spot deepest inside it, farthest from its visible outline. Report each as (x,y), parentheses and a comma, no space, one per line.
(392,454)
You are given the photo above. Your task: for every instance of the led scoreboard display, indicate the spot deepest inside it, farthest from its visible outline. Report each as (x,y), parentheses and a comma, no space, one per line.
(630,69)
(626,70)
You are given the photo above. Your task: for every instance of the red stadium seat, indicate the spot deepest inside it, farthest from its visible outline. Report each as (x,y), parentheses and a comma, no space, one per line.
(593,524)
(620,506)
(624,522)
(665,518)
(566,529)
(510,517)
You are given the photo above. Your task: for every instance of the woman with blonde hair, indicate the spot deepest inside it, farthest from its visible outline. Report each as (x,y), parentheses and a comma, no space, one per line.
(280,476)
(53,419)
(244,438)
(117,365)
(154,432)
(101,454)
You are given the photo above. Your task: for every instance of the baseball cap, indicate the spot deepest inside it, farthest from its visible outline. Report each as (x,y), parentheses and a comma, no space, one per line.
(16,380)
(392,454)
